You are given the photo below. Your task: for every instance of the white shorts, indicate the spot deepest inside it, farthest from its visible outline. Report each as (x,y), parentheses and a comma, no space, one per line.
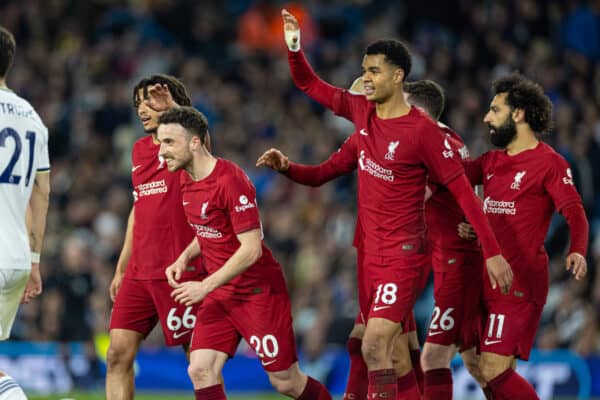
(12,286)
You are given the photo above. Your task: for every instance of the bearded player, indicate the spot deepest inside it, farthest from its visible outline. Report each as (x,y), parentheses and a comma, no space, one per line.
(524,182)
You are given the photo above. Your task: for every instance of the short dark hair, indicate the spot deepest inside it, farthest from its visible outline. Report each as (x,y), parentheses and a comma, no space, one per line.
(530,97)
(189,118)
(8,47)
(428,95)
(175,86)
(395,52)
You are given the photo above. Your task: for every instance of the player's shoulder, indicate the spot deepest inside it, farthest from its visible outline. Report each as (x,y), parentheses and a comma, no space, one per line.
(230,173)
(25,107)
(144,146)
(449,131)
(550,160)
(548,152)
(228,169)
(143,142)
(422,121)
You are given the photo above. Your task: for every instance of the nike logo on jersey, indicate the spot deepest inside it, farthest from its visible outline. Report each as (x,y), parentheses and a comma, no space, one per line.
(364,132)
(185,203)
(377,308)
(135,167)
(177,335)
(267,363)
(435,333)
(489,342)
(489,176)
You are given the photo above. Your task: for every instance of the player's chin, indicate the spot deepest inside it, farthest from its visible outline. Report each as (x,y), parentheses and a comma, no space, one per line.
(371,96)
(172,165)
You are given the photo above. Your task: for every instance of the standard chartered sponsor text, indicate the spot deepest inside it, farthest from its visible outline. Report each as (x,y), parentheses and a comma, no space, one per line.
(150,188)
(491,206)
(378,171)
(206,231)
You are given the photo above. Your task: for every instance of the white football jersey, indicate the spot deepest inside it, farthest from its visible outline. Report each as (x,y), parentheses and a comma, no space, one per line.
(23,153)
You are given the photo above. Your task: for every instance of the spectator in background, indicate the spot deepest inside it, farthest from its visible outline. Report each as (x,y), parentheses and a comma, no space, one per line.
(74,55)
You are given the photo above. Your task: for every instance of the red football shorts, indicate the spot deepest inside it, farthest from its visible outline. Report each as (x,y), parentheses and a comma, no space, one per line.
(392,284)
(264,320)
(141,304)
(510,327)
(457,315)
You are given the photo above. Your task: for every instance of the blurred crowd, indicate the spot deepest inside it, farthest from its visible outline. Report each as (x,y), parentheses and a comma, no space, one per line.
(77,62)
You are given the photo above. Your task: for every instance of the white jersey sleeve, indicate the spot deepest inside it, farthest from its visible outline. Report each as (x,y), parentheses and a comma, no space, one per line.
(23,153)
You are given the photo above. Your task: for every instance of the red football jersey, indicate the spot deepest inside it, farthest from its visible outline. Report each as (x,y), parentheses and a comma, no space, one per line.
(395,158)
(219,207)
(521,192)
(160,230)
(442,212)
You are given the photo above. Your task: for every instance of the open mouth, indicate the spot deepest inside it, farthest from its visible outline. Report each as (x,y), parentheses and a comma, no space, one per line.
(368,90)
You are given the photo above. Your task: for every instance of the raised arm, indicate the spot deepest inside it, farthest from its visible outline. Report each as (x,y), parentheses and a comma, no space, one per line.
(304,77)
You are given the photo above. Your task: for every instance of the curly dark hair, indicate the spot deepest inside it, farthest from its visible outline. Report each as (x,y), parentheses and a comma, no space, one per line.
(529,96)
(428,95)
(189,118)
(395,53)
(178,91)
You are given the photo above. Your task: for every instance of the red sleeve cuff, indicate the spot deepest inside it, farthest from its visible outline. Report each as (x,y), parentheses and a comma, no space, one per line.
(579,227)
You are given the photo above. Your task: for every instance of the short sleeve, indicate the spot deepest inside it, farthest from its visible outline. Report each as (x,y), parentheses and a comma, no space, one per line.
(558,182)
(442,161)
(43,163)
(240,202)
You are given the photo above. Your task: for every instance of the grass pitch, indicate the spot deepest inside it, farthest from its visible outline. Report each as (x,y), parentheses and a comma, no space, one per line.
(151,396)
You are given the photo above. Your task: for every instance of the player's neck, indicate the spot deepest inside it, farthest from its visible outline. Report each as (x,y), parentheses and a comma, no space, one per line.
(395,107)
(524,141)
(202,166)
(3,84)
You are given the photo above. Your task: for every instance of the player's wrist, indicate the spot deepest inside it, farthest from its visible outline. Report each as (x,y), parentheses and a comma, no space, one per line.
(292,39)
(35,257)
(210,284)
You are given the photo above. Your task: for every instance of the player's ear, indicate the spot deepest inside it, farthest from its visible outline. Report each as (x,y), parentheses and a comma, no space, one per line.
(518,115)
(195,143)
(398,76)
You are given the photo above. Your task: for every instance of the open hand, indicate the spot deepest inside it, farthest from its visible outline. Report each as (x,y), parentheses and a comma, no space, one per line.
(160,98)
(274,159)
(291,30)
